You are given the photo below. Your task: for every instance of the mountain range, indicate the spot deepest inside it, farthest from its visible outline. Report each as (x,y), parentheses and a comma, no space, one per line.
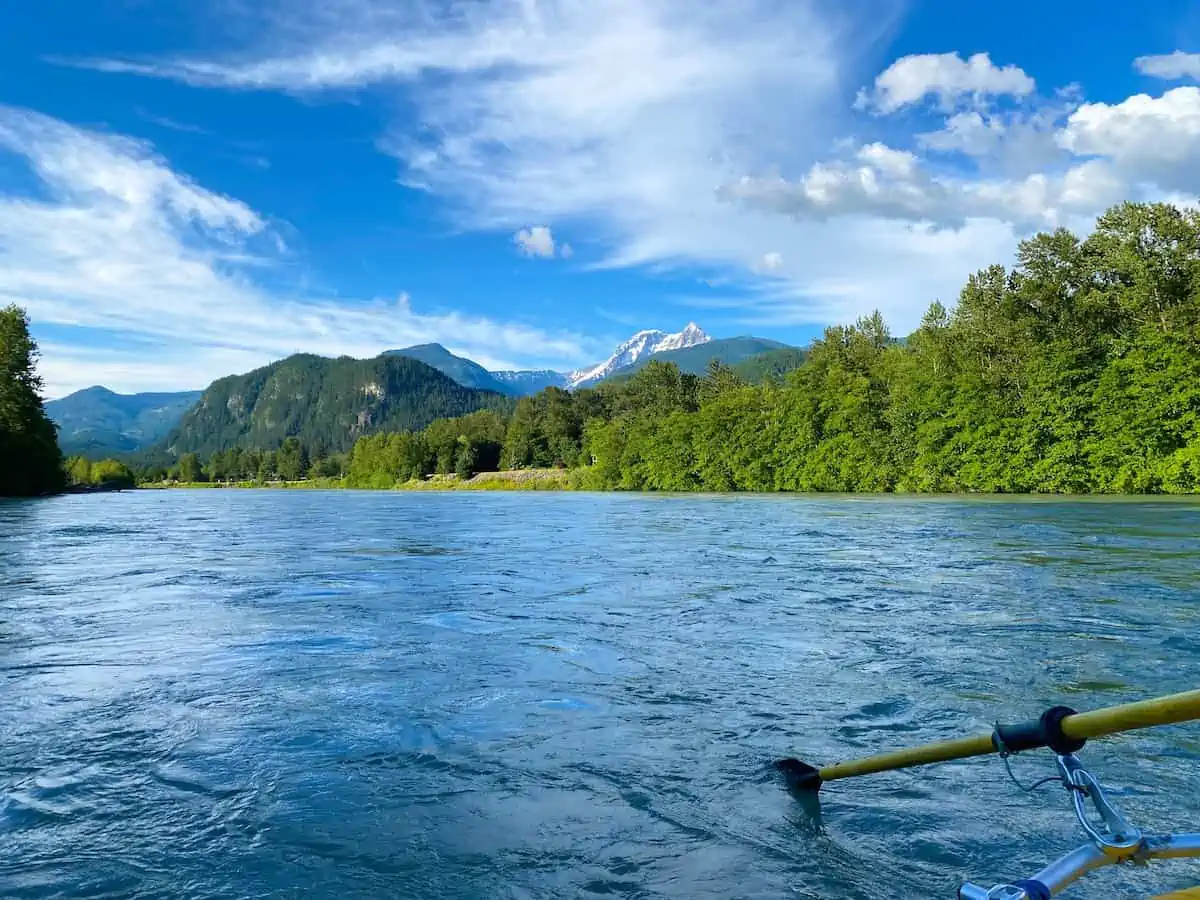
(98,422)
(264,406)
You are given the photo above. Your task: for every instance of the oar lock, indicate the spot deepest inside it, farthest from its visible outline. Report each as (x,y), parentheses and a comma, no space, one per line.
(1044,731)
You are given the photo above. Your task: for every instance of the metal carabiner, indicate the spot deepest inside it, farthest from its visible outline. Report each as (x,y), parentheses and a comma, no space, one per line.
(1119,838)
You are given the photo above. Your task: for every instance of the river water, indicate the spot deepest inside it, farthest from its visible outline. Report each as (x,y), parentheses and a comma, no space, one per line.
(221,694)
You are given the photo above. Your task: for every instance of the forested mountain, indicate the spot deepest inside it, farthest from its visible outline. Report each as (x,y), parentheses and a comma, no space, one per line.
(466,372)
(771,365)
(325,403)
(96,422)
(30,460)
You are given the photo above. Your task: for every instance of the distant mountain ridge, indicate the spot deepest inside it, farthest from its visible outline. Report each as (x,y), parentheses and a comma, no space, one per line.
(641,345)
(465,371)
(695,359)
(469,373)
(530,381)
(99,422)
(314,395)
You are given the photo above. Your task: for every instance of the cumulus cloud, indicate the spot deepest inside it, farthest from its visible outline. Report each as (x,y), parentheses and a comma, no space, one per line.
(537,241)
(120,249)
(880,181)
(946,77)
(1151,138)
(1171,66)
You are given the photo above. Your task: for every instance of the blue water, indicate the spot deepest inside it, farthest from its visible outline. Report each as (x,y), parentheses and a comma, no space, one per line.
(221,694)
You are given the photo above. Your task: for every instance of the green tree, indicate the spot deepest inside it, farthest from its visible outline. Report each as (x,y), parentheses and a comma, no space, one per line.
(111,473)
(291,461)
(30,460)
(266,467)
(190,470)
(79,471)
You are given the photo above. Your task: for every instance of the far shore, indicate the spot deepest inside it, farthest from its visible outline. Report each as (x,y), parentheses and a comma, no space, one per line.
(573,480)
(513,480)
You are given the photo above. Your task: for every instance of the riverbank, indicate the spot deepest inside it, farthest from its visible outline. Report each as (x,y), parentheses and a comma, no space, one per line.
(578,480)
(515,480)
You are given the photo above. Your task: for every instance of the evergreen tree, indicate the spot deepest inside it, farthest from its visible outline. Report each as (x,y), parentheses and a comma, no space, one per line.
(30,460)
(291,462)
(190,470)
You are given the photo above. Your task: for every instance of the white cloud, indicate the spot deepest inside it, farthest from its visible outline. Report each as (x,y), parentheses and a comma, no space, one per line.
(887,161)
(771,262)
(639,119)
(624,115)
(946,77)
(119,242)
(1150,138)
(536,241)
(1170,66)
(970,132)
(880,181)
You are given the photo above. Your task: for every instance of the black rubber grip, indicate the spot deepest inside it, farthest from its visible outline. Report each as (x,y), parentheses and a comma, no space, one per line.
(1045,731)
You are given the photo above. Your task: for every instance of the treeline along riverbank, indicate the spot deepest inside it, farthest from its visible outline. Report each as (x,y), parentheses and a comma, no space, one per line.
(1077,371)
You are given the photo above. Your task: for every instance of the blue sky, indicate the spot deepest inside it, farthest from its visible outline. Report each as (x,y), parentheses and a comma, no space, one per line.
(193,189)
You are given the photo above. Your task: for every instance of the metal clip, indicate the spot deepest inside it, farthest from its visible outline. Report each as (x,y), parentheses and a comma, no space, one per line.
(999,892)
(1117,836)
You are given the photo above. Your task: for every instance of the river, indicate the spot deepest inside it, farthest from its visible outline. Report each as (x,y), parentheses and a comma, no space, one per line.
(223,694)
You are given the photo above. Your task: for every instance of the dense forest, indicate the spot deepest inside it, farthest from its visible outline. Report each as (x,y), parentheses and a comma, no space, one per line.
(30,460)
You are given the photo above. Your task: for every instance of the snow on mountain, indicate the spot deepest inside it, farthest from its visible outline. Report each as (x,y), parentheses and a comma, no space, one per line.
(641,344)
(526,382)
(689,337)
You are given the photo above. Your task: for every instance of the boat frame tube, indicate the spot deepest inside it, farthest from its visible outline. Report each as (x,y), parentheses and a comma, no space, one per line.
(1068,869)
(1114,840)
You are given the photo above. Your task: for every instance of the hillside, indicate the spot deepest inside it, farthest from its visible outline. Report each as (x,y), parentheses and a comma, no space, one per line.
(97,422)
(466,372)
(695,360)
(326,403)
(770,365)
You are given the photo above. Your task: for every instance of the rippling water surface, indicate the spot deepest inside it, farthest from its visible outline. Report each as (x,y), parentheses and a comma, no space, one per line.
(222,694)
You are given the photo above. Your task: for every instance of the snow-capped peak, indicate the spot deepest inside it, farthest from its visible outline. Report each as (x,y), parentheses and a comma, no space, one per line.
(641,344)
(692,335)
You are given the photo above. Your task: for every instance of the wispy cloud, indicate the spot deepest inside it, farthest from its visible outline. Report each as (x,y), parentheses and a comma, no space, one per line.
(123,243)
(171,124)
(699,134)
